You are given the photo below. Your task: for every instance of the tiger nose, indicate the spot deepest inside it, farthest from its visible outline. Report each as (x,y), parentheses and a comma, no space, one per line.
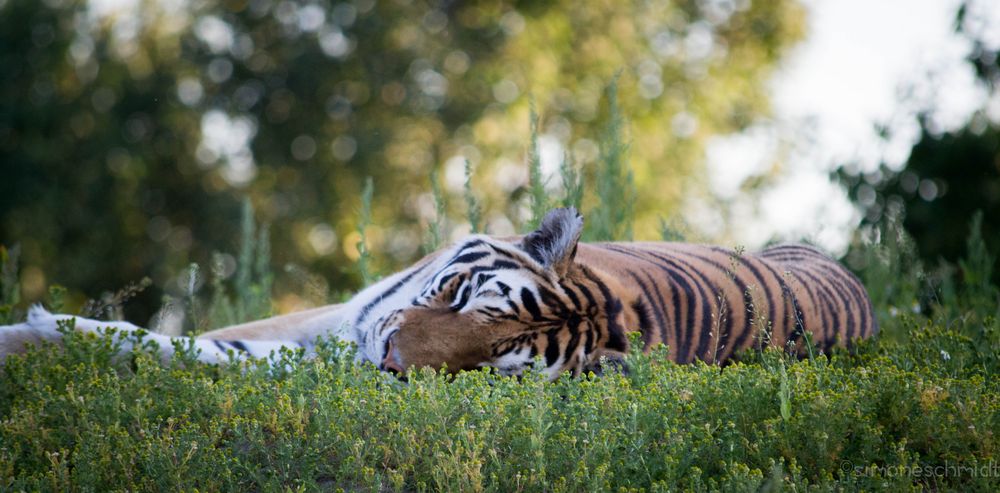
(391,361)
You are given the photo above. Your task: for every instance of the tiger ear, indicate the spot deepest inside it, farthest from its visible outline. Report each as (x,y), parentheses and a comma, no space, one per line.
(553,244)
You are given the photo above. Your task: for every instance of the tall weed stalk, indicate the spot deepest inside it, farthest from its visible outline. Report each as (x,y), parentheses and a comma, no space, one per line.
(611,219)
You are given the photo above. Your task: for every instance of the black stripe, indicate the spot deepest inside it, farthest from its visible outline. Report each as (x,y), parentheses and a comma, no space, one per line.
(483,279)
(845,280)
(552,300)
(473,243)
(504,288)
(805,286)
(797,256)
(836,276)
(528,300)
(444,280)
(552,347)
(467,258)
(572,297)
(501,250)
(588,344)
(820,314)
(219,345)
(680,284)
(862,300)
(658,306)
(828,298)
(591,301)
(645,324)
(513,306)
(498,265)
(239,346)
(366,310)
(748,300)
(682,328)
(797,325)
(612,309)
(706,310)
(518,258)
(794,249)
(661,325)
(464,250)
(574,338)
(463,297)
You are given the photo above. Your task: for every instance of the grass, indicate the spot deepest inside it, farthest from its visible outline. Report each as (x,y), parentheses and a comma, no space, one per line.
(915,408)
(82,419)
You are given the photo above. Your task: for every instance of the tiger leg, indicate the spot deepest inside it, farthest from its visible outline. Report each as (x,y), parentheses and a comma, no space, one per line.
(302,326)
(43,326)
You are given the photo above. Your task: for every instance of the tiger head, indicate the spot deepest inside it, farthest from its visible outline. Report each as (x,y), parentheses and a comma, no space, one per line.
(503,303)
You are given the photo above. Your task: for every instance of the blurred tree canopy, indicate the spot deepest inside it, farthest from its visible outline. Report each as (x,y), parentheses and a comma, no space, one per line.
(948,175)
(132,130)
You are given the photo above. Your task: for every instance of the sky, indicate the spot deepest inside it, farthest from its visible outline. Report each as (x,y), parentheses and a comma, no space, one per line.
(850,73)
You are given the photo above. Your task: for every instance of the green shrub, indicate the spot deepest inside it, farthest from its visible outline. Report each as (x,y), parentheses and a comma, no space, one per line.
(84,419)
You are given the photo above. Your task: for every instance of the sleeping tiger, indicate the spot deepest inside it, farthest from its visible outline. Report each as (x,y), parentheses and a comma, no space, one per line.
(503,302)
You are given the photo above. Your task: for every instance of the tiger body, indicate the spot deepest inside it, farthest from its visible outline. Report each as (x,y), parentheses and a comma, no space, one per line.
(505,302)
(708,303)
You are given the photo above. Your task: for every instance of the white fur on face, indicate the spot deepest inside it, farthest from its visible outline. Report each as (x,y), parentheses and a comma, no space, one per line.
(512,363)
(377,309)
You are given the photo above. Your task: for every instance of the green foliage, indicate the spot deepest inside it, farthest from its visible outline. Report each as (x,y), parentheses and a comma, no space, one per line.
(85,419)
(221,310)
(538,197)
(572,182)
(672,231)
(10,287)
(191,295)
(364,256)
(612,219)
(110,306)
(245,298)
(977,269)
(890,269)
(254,279)
(473,210)
(899,286)
(436,228)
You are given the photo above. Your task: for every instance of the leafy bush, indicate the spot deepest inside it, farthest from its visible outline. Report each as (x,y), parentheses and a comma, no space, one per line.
(84,419)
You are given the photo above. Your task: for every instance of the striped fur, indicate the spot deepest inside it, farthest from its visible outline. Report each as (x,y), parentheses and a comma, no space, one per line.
(497,304)
(708,303)
(502,302)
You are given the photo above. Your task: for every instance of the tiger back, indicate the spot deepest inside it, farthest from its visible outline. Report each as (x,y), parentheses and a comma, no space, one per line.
(708,302)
